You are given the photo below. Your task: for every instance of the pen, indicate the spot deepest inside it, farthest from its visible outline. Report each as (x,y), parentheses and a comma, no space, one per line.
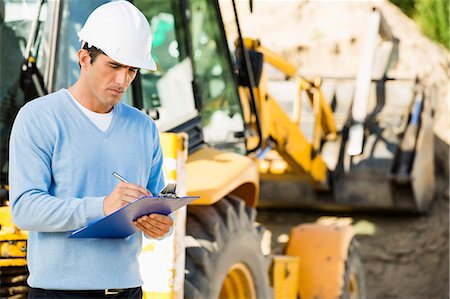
(119,177)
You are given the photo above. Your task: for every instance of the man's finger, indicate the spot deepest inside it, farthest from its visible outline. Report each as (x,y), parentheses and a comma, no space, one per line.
(138,188)
(132,193)
(153,225)
(150,226)
(166,220)
(127,199)
(149,233)
(149,229)
(163,226)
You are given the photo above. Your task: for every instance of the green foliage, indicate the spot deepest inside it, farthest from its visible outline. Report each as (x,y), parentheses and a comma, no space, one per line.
(407,6)
(432,17)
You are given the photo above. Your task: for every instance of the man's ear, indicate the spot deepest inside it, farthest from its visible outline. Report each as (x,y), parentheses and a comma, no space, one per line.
(83,58)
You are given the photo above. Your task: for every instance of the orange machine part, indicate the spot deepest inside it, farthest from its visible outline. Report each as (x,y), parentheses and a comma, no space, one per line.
(323,250)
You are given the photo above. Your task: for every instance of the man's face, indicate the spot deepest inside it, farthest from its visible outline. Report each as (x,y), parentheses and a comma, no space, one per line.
(107,80)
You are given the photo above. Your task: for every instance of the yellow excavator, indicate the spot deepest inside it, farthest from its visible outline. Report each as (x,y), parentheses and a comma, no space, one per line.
(333,144)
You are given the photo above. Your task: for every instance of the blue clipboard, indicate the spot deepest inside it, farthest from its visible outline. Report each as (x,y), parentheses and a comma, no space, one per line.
(120,223)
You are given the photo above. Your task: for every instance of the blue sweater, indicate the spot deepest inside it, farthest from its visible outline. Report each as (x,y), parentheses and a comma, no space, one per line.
(60,171)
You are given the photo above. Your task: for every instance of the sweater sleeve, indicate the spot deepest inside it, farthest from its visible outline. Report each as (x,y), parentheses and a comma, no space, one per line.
(30,177)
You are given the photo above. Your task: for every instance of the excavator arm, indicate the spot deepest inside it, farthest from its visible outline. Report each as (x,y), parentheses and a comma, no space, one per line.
(282,132)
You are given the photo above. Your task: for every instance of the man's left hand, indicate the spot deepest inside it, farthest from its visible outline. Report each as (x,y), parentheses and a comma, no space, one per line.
(154,225)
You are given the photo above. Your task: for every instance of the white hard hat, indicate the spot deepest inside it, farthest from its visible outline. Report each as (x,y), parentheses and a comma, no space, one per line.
(122,32)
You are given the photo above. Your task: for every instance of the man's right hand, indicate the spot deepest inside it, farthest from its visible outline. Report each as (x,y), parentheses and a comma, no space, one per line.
(123,194)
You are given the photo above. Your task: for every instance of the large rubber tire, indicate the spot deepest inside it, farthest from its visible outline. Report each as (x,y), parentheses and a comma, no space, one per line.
(219,238)
(13,282)
(354,278)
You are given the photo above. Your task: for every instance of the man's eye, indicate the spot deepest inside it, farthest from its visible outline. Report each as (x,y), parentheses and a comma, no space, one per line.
(133,70)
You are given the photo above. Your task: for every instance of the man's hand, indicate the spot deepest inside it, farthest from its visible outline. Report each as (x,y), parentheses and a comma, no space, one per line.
(123,194)
(154,225)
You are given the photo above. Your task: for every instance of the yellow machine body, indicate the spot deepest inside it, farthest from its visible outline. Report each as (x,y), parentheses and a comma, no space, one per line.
(213,174)
(12,241)
(285,276)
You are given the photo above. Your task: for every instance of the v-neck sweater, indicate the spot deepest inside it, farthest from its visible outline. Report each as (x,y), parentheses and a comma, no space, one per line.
(101,120)
(61,168)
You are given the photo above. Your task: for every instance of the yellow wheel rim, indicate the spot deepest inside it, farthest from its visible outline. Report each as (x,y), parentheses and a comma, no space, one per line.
(353,286)
(238,283)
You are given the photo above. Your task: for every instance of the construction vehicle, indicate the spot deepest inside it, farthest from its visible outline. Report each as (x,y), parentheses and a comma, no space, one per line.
(222,128)
(369,138)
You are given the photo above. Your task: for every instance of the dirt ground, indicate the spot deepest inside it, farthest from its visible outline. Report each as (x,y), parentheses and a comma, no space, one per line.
(406,258)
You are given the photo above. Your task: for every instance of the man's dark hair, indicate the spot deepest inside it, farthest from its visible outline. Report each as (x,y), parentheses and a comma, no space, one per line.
(93,52)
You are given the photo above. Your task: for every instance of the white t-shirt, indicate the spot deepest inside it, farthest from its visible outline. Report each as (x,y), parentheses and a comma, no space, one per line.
(101,120)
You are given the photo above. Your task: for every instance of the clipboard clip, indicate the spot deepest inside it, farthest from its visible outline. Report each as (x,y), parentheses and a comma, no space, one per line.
(169,191)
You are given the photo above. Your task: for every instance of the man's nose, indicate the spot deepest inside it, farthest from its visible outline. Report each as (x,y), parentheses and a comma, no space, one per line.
(122,77)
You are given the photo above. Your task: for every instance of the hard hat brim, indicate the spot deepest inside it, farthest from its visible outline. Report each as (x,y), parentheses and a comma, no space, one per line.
(148,64)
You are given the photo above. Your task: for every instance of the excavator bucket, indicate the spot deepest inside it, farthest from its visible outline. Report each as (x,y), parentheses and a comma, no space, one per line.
(395,168)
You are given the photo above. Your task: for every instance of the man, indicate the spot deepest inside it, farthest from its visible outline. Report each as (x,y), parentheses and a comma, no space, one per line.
(65,147)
